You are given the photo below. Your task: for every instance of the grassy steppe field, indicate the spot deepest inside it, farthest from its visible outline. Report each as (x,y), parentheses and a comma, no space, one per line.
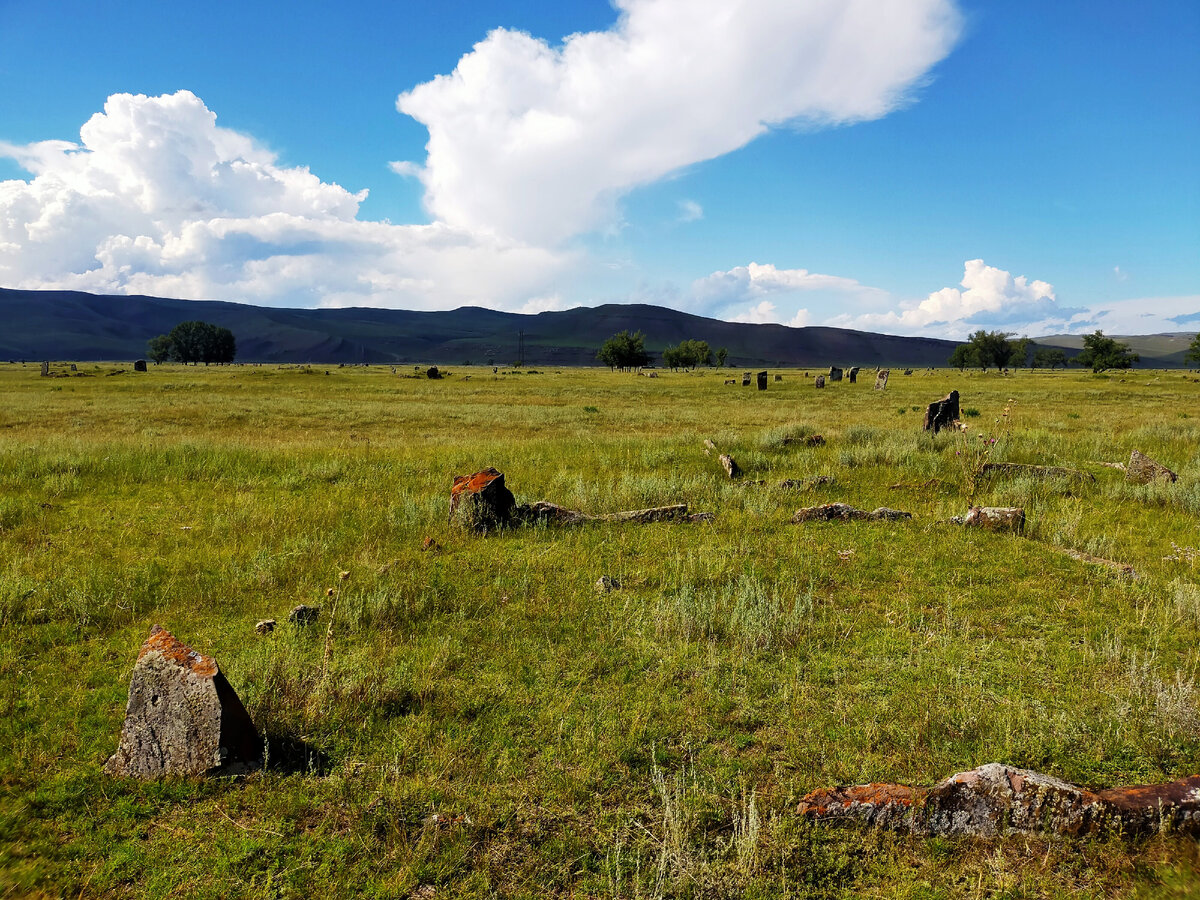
(491,725)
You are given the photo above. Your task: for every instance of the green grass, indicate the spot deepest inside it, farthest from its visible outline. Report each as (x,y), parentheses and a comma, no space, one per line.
(491,725)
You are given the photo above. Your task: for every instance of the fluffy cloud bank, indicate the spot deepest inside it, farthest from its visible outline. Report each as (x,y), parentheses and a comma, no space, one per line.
(763,293)
(158,199)
(538,142)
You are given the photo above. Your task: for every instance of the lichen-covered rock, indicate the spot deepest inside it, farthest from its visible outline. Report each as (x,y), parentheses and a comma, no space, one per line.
(731,467)
(1143,470)
(820,382)
(183,717)
(881,378)
(940,413)
(265,626)
(303,615)
(996,518)
(480,502)
(995,800)
(830,512)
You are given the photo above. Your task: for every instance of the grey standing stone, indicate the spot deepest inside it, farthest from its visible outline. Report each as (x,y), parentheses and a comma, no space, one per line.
(762,381)
(45,367)
(1142,469)
(74,368)
(304,615)
(881,379)
(183,717)
(853,374)
(835,374)
(139,365)
(820,381)
(941,413)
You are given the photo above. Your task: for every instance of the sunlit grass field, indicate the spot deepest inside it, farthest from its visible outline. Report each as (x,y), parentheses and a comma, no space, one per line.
(491,725)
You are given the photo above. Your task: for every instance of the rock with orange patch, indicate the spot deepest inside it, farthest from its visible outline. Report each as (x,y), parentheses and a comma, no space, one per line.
(183,717)
(480,502)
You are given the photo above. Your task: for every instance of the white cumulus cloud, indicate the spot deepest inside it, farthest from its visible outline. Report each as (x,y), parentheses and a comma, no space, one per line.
(538,142)
(739,294)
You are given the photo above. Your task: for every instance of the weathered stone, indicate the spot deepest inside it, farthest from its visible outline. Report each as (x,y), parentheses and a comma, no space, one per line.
(995,800)
(941,413)
(1036,471)
(762,381)
(853,374)
(74,368)
(746,379)
(731,381)
(480,502)
(792,484)
(1143,470)
(139,365)
(820,382)
(809,440)
(996,518)
(731,467)
(677,512)
(709,446)
(266,626)
(835,374)
(605,584)
(1122,568)
(432,372)
(304,615)
(830,512)
(908,371)
(881,379)
(45,368)
(779,378)
(545,513)
(183,717)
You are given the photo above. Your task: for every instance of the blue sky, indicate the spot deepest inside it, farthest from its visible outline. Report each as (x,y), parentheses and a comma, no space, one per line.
(918,167)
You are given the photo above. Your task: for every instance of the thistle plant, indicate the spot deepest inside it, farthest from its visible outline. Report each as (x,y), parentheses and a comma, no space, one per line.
(976,449)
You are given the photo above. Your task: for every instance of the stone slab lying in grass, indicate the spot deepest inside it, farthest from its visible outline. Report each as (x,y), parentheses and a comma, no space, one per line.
(995,800)
(1141,469)
(1036,471)
(183,717)
(831,512)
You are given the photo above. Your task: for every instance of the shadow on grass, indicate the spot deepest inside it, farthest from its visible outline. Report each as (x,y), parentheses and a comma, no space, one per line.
(288,754)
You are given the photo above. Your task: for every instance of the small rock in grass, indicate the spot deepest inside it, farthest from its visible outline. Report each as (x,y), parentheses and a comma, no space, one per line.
(996,518)
(1143,470)
(605,584)
(266,626)
(304,615)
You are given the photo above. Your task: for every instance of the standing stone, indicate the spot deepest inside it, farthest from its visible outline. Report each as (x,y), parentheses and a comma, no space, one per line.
(779,378)
(731,467)
(183,717)
(881,379)
(746,379)
(941,413)
(1143,470)
(74,368)
(762,381)
(432,372)
(45,368)
(853,374)
(139,365)
(835,374)
(480,502)
(820,381)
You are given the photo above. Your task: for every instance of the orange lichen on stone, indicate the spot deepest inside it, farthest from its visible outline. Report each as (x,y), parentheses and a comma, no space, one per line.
(170,647)
(473,484)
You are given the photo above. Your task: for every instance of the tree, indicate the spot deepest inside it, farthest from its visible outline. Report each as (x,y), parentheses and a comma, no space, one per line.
(687,355)
(1021,347)
(1102,353)
(992,349)
(964,356)
(159,349)
(193,342)
(624,351)
(723,354)
(1193,352)
(1049,358)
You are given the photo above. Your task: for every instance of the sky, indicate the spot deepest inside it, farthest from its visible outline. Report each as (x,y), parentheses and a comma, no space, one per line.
(923,167)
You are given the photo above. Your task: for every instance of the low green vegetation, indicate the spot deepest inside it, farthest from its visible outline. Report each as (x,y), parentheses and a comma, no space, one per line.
(488,724)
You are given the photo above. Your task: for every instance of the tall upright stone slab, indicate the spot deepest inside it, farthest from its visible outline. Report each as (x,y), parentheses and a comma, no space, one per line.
(820,381)
(45,368)
(139,365)
(835,374)
(745,379)
(881,379)
(852,374)
(480,502)
(762,381)
(183,717)
(941,413)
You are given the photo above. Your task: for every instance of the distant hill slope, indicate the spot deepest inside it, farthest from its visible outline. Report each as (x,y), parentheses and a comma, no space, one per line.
(1157,351)
(73,325)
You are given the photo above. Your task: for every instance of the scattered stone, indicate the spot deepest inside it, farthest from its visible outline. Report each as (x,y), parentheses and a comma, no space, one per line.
(853,374)
(995,518)
(606,584)
(545,513)
(480,502)
(1122,568)
(809,440)
(677,512)
(820,382)
(831,512)
(266,626)
(762,381)
(835,374)
(74,368)
(139,365)
(1036,471)
(1120,467)
(1143,470)
(303,615)
(731,467)
(941,413)
(429,544)
(995,800)
(709,446)
(183,717)
(908,371)
(432,372)
(881,379)
(796,484)
(731,381)
(779,378)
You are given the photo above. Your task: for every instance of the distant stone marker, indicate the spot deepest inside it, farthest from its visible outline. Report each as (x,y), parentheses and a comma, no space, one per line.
(779,378)
(853,374)
(835,374)
(45,368)
(820,381)
(881,379)
(1143,470)
(432,372)
(746,379)
(941,413)
(183,717)
(139,365)
(762,381)
(74,368)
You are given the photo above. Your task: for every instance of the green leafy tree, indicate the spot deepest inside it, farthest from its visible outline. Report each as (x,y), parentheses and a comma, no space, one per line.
(159,348)
(723,354)
(1021,349)
(1102,353)
(992,350)
(688,355)
(1049,358)
(195,342)
(964,356)
(624,351)
(1193,352)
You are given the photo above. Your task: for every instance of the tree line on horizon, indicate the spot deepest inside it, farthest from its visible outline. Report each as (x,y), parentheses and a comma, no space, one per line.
(193,342)
(998,350)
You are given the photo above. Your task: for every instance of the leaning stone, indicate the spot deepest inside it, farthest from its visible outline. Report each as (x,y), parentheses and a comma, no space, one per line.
(266,626)
(852,374)
(881,379)
(1143,470)
(830,512)
(183,717)
(731,467)
(996,518)
(941,413)
(304,615)
(745,379)
(835,374)
(480,502)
